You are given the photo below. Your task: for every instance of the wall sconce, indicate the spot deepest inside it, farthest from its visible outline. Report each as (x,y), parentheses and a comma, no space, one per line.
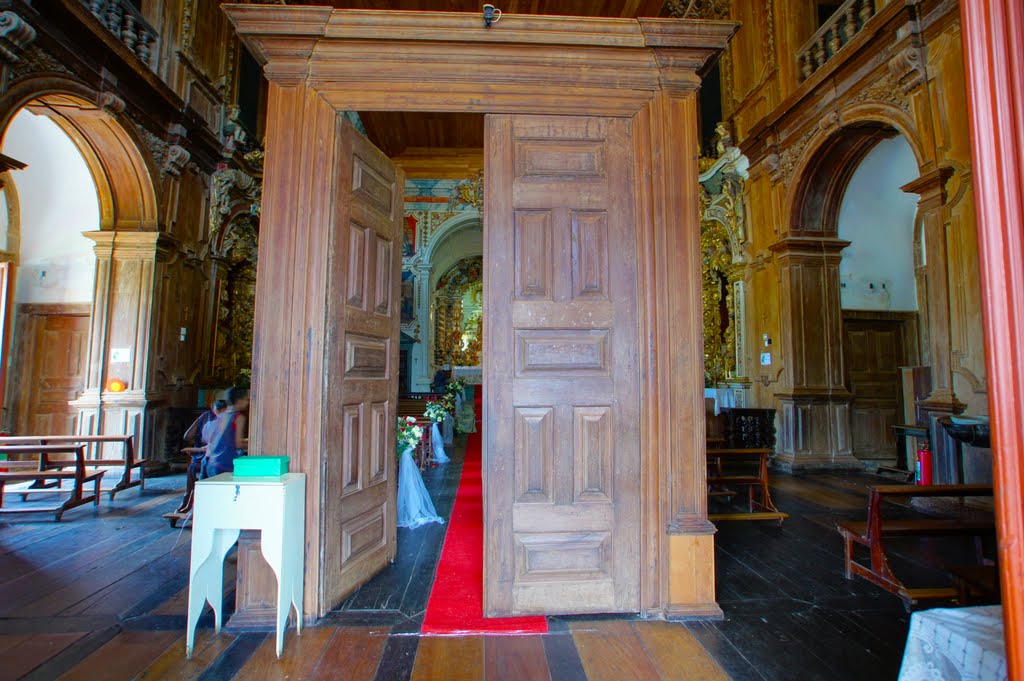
(491,15)
(116,385)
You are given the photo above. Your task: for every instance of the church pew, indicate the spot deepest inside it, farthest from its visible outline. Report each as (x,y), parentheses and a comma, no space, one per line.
(95,459)
(47,477)
(414,404)
(873,531)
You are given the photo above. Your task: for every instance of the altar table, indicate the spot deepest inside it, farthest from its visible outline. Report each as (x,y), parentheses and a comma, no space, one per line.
(225,505)
(955,644)
(723,397)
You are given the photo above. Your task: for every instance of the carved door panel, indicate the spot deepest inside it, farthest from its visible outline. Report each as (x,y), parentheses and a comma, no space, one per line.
(561,372)
(363,327)
(51,369)
(873,352)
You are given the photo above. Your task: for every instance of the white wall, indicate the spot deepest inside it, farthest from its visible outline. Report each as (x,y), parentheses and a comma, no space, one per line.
(878,218)
(58,202)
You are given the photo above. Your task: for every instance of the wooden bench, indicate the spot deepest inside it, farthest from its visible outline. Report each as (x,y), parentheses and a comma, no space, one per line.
(414,404)
(48,476)
(95,456)
(754,477)
(873,532)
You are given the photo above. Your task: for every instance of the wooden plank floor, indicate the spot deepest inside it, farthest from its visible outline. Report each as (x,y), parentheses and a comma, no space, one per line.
(102,596)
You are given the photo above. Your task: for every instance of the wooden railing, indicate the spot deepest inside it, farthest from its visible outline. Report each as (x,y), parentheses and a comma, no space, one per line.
(838,30)
(125,22)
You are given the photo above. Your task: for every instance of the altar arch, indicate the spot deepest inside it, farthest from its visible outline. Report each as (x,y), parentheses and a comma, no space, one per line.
(444,249)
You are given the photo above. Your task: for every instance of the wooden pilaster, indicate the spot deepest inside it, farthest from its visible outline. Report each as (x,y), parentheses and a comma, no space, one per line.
(289,328)
(668,233)
(813,423)
(122,321)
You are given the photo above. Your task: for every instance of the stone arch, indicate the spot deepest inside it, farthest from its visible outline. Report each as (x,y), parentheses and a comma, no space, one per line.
(125,177)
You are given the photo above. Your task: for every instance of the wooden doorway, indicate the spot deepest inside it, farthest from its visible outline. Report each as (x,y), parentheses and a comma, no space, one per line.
(875,346)
(639,75)
(50,355)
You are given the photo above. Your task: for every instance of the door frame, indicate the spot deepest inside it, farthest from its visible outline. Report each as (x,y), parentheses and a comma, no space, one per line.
(321,61)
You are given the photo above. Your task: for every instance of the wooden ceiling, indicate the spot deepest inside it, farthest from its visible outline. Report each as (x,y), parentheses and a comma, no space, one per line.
(395,131)
(583,8)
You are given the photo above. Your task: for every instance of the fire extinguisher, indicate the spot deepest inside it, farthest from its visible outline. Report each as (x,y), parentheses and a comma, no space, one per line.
(923,474)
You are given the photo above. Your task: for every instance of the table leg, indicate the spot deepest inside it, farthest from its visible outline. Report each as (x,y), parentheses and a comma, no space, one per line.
(206,582)
(272,545)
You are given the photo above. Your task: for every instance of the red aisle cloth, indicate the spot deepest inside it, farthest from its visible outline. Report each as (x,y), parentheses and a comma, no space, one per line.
(456,602)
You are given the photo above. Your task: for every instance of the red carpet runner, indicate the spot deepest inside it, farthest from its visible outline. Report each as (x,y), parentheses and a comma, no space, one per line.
(456,602)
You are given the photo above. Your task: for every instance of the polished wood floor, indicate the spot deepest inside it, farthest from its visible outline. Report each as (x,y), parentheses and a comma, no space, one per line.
(102,596)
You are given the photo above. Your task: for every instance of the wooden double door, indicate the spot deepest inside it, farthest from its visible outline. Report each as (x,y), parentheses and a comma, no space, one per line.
(561,455)
(874,348)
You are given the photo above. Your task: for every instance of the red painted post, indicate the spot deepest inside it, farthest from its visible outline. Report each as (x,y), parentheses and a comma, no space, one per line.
(993,36)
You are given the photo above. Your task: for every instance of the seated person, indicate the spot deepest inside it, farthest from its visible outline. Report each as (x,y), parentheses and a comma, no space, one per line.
(198,436)
(229,436)
(441,378)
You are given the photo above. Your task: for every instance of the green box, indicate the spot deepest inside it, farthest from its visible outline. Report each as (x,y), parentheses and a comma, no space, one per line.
(252,466)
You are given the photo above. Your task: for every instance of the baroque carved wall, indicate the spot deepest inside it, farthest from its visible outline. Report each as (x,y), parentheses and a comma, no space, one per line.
(885,68)
(159,126)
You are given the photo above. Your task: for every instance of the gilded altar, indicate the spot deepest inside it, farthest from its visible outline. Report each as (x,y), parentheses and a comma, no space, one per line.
(723,264)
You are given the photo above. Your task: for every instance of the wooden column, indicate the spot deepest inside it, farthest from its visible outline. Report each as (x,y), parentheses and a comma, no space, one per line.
(289,328)
(813,423)
(121,334)
(672,362)
(993,34)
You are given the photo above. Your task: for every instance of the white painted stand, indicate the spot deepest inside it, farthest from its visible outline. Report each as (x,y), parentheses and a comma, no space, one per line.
(225,505)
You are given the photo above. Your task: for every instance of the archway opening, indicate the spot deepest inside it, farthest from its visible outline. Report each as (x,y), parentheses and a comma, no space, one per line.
(52,267)
(879,296)
(86,182)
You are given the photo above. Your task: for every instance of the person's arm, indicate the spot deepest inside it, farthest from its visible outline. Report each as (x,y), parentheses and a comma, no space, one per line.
(193,430)
(241,432)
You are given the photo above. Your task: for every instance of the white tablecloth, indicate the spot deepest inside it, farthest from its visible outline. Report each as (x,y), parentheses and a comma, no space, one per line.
(955,644)
(723,397)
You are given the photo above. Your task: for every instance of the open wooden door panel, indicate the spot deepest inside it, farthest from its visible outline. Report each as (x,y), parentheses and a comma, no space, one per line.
(562,455)
(362,357)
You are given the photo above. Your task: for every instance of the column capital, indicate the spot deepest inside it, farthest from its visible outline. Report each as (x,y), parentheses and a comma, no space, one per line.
(126,244)
(795,247)
(931,187)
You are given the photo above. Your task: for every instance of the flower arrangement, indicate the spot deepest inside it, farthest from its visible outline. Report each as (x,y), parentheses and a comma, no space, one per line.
(436,410)
(409,434)
(456,385)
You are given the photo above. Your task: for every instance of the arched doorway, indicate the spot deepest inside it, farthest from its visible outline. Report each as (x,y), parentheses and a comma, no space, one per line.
(879,296)
(109,208)
(816,405)
(53,271)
